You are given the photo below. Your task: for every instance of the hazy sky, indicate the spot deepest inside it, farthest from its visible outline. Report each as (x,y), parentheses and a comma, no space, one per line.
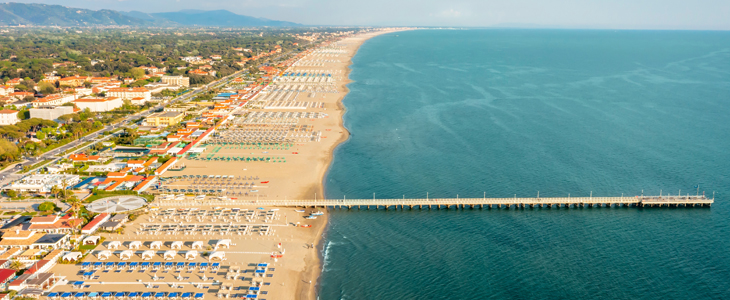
(612,14)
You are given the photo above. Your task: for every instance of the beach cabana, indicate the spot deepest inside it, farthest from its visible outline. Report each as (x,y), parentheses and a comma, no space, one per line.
(78,284)
(135,245)
(180,265)
(172,296)
(218,255)
(252,296)
(119,295)
(168,265)
(215,266)
(106,295)
(121,265)
(52,296)
(147,255)
(146,295)
(156,245)
(97,265)
(92,240)
(186,296)
(133,265)
(176,245)
(126,255)
(203,266)
(191,255)
(198,296)
(74,256)
(160,296)
(192,266)
(169,254)
(114,245)
(156,265)
(133,295)
(92,295)
(197,245)
(104,255)
(144,265)
(66,296)
(85,265)
(109,266)
(222,243)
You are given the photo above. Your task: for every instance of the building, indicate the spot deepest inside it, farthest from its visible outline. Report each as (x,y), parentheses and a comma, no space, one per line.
(95,223)
(73,81)
(165,166)
(6,90)
(99,104)
(165,118)
(21,239)
(50,112)
(8,117)
(53,100)
(176,80)
(42,183)
(130,93)
(54,224)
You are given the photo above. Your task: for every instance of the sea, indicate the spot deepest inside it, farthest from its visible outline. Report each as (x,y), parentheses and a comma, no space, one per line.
(514,113)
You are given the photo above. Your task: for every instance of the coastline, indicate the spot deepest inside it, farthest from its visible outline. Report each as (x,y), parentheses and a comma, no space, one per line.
(314,259)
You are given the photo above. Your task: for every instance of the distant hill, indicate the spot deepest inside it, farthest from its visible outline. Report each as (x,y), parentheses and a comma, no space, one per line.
(221,18)
(57,15)
(50,15)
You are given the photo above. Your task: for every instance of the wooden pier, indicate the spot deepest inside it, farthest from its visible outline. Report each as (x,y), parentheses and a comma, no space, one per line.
(468,203)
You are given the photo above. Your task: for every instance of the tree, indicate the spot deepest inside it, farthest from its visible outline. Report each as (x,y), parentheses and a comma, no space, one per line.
(47,206)
(137,73)
(16,265)
(46,88)
(75,204)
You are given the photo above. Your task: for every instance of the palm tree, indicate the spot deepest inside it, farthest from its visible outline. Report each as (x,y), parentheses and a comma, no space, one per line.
(75,204)
(16,265)
(55,190)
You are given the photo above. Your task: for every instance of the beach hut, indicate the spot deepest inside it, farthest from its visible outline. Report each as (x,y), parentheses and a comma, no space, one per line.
(114,245)
(97,265)
(172,296)
(92,240)
(180,266)
(156,266)
(169,254)
(198,296)
(75,256)
(135,245)
(106,295)
(156,245)
(109,266)
(147,255)
(186,296)
(197,245)
(52,296)
(104,255)
(78,284)
(203,266)
(218,255)
(191,255)
(223,243)
(133,296)
(85,265)
(92,295)
(144,265)
(168,265)
(66,296)
(176,245)
(119,295)
(146,295)
(79,295)
(133,265)
(126,255)
(215,266)
(160,296)
(192,266)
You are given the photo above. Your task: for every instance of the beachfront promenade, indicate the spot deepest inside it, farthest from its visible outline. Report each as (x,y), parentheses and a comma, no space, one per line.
(462,203)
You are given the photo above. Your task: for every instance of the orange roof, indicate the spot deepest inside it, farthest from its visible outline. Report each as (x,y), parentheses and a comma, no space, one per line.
(128,90)
(116,174)
(143,183)
(135,162)
(8,111)
(96,99)
(150,161)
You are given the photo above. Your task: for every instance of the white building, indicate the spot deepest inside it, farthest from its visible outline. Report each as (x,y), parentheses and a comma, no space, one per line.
(6,90)
(50,112)
(176,80)
(130,93)
(8,117)
(99,104)
(42,183)
(53,100)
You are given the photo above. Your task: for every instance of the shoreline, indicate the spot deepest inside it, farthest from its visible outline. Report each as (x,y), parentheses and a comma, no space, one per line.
(314,261)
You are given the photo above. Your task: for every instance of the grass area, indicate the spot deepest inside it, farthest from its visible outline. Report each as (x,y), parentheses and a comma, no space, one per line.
(87,247)
(36,165)
(102,194)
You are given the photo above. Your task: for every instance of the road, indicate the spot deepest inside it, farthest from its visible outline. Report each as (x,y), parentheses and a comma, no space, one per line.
(14,172)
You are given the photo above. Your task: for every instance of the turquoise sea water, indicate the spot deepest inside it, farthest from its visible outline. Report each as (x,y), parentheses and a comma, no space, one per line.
(507,112)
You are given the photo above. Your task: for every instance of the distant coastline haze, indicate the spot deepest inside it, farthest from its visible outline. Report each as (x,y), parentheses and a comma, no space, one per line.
(573,14)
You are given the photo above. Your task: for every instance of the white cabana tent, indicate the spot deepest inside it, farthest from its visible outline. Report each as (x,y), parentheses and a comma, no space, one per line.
(135,245)
(176,245)
(147,255)
(169,254)
(72,256)
(114,245)
(191,255)
(221,243)
(218,255)
(197,245)
(92,240)
(156,245)
(104,255)
(126,255)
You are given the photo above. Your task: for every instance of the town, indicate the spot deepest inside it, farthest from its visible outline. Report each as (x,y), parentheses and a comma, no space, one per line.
(143,179)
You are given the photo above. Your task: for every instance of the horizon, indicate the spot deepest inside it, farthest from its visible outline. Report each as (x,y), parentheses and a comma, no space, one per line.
(706,15)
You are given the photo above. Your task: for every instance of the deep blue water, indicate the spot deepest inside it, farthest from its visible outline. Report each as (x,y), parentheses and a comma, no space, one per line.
(507,112)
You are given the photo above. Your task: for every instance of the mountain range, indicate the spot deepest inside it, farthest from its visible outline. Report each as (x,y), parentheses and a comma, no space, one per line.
(34,14)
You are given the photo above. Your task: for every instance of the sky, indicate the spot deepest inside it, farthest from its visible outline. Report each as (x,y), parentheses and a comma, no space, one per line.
(590,14)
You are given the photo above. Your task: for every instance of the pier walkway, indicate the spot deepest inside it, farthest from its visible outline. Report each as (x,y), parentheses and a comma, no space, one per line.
(461,203)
